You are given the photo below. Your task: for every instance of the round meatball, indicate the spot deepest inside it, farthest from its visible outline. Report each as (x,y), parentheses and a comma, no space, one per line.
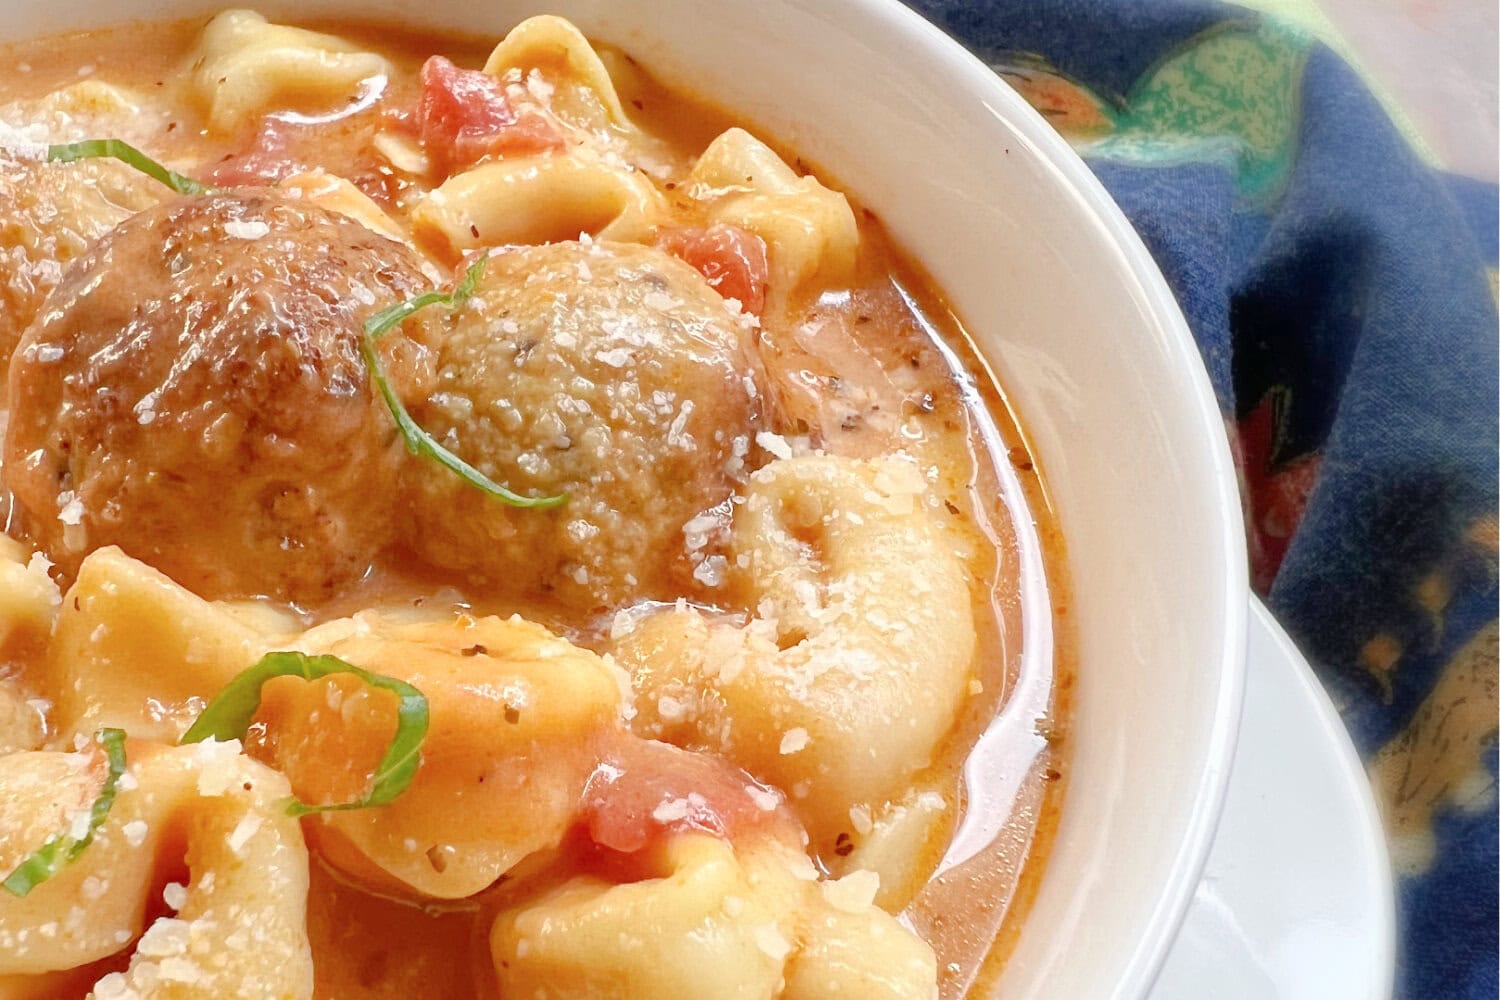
(609,372)
(193,391)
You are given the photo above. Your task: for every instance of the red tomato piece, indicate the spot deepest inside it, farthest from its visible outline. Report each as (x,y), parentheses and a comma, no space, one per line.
(265,160)
(644,790)
(465,115)
(731,259)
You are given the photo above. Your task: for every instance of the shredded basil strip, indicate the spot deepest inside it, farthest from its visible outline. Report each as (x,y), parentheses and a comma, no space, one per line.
(61,849)
(123,151)
(228,717)
(379,324)
(418,441)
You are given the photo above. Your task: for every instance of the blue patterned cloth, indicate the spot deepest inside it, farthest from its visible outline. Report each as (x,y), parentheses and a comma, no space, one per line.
(1343,295)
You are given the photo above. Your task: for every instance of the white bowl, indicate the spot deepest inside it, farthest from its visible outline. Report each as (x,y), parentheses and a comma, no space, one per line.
(1068,307)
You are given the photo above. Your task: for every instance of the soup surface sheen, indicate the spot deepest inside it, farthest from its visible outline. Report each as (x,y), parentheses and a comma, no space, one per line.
(486,524)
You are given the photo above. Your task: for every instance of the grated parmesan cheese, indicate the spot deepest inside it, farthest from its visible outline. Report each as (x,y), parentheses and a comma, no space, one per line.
(931,802)
(78,824)
(218,765)
(20,145)
(854,893)
(243,831)
(671,709)
(179,970)
(769,939)
(71,511)
(773,443)
(242,229)
(167,936)
(112,987)
(794,741)
(859,816)
(764,799)
(711,571)
(670,811)
(174,894)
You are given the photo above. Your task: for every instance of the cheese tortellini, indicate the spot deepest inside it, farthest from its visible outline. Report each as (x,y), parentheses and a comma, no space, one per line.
(517,720)
(809,230)
(244,64)
(581,90)
(712,925)
(238,928)
(860,654)
(699,931)
(134,650)
(539,199)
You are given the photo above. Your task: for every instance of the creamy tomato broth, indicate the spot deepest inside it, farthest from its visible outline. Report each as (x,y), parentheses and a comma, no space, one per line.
(481,523)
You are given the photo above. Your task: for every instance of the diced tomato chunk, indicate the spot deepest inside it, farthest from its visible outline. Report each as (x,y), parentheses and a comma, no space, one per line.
(731,259)
(465,115)
(267,159)
(644,790)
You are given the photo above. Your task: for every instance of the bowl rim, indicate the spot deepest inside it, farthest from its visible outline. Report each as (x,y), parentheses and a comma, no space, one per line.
(976,81)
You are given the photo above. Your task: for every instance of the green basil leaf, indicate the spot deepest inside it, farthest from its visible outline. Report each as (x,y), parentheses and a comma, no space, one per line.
(228,717)
(61,849)
(123,151)
(418,441)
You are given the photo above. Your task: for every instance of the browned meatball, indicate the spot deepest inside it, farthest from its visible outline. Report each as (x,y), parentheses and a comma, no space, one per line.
(610,372)
(193,391)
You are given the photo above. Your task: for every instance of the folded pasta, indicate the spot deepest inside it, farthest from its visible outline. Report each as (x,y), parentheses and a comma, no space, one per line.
(236,923)
(808,228)
(244,65)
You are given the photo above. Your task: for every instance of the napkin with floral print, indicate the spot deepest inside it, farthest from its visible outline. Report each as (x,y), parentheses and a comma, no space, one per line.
(1343,294)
